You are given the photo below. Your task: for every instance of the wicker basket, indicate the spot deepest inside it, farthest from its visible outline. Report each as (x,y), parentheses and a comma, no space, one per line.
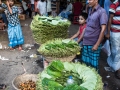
(64,59)
(23,78)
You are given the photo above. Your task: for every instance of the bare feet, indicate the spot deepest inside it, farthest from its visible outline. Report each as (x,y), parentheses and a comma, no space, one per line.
(11,48)
(20,48)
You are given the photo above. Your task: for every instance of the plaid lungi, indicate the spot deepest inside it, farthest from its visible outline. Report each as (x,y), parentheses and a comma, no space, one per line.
(90,57)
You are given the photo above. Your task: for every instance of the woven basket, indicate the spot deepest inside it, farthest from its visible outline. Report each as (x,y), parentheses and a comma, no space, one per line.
(23,78)
(64,59)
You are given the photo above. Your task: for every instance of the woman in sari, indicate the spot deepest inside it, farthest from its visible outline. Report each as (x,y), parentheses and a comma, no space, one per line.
(14,29)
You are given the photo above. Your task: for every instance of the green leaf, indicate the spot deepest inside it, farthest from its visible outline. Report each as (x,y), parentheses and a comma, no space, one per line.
(52,85)
(83,88)
(58,65)
(45,75)
(68,66)
(54,73)
(72,87)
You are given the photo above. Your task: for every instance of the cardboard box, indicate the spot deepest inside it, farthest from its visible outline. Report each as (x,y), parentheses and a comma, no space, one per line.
(22,16)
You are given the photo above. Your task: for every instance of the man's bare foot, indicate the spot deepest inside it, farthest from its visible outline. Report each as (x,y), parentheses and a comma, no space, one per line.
(11,48)
(20,48)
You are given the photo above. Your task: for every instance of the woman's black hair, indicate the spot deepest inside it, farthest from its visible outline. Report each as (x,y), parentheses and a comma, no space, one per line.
(42,0)
(84,15)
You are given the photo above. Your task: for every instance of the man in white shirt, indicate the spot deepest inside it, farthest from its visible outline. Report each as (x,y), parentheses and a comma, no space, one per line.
(41,6)
(68,11)
(32,5)
(49,7)
(26,9)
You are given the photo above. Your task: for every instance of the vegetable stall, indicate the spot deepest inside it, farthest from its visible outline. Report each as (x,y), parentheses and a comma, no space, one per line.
(61,73)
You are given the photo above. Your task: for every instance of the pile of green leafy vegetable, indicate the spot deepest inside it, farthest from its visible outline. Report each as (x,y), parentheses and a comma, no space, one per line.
(55,76)
(47,28)
(59,48)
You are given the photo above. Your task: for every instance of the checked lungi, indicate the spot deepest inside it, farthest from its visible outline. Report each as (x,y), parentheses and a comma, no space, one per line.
(90,57)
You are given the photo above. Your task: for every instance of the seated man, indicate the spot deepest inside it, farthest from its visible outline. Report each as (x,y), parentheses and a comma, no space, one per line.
(67,11)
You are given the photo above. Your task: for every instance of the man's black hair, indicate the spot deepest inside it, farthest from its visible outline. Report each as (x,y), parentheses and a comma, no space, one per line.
(84,15)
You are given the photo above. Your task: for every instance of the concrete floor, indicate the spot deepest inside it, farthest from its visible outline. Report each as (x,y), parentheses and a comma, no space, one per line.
(9,69)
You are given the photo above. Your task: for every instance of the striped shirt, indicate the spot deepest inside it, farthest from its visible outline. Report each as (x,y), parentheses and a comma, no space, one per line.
(115,9)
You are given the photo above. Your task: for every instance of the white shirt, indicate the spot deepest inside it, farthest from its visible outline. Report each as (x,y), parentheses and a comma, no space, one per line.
(24,5)
(32,1)
(42,7)
(49,6)
(69,8)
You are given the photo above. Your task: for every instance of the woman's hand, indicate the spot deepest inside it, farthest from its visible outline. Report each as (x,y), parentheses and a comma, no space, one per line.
(7,3)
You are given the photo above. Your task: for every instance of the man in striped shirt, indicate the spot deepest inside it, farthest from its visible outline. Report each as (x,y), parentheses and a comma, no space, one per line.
(114,34)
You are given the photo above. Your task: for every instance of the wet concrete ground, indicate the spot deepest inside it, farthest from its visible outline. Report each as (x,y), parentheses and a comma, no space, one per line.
(9,69)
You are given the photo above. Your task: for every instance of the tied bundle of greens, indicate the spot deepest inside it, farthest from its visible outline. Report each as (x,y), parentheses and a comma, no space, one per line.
(47,28)
(55,76)
(59,48)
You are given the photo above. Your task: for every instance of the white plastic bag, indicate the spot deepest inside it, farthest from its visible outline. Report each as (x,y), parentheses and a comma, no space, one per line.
(106,47)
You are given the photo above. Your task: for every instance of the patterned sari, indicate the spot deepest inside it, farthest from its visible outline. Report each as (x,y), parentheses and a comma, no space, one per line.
(15,35)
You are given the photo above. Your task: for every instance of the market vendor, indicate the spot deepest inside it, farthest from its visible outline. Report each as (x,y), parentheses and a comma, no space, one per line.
(66,12)
(94,33)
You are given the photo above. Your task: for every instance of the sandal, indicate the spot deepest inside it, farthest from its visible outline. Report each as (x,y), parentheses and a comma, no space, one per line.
(117,74)
(2,86)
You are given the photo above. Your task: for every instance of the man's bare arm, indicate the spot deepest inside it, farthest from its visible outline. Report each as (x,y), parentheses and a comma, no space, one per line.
(109,25)
(101,36)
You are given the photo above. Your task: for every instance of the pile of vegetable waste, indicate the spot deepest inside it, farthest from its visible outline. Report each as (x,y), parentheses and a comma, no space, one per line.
(47,28)
(55,76)
(59,48)
(28,85)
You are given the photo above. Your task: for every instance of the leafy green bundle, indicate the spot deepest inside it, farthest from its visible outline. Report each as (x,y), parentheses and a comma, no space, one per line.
(59,48)
(55,76)
(47,28)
